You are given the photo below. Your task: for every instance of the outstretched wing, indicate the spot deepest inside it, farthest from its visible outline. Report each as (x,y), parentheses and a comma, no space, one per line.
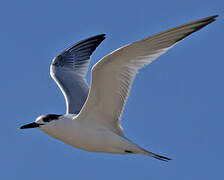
(112,76)
(69,70)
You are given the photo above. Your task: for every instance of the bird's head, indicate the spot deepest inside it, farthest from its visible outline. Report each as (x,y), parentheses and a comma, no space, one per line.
(42,121)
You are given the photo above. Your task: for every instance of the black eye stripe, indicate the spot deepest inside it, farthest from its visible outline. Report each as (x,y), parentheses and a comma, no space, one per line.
(51,117)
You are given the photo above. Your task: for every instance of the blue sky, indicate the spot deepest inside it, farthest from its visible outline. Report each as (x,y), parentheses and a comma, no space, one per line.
(175,107)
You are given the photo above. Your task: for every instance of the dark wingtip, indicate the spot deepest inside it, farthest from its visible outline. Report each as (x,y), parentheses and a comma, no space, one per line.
(212,18)
(203,22)
(215,16)
(206,21)
(99,36)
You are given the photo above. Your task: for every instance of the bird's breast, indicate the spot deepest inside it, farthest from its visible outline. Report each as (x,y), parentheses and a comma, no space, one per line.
(79,134)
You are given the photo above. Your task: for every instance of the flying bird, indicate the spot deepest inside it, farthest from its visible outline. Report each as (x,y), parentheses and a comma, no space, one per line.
(93,114)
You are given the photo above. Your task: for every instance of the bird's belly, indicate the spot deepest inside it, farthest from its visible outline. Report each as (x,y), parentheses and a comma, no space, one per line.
(90,138)
(96,141)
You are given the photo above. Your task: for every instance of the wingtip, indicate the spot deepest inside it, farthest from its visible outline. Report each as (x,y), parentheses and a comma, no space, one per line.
(215,16)
(101,35)
(201,24)
(210,19)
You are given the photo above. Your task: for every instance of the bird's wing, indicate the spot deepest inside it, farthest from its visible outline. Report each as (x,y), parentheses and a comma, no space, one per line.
(69,70)
(113,75)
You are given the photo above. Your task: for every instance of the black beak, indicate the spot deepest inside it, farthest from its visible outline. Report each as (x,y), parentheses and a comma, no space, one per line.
(31,125)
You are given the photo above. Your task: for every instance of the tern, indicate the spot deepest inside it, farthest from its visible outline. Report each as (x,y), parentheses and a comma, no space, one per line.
(93,115)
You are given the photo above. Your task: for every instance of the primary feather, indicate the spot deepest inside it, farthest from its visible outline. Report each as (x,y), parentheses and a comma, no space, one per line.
(69,70)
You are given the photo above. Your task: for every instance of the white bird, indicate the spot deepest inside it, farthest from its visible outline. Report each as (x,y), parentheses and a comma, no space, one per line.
(92,120)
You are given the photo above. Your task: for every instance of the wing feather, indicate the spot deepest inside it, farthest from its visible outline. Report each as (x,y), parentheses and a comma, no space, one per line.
(113,75)
(69,70)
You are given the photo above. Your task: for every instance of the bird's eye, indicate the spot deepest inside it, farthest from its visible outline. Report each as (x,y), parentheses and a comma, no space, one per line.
(50,117)
(46,119)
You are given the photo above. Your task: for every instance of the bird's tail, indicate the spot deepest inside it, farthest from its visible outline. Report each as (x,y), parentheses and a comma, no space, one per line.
(134,148)
(162,158)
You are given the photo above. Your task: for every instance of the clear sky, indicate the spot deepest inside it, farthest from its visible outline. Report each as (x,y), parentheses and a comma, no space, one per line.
(176,106)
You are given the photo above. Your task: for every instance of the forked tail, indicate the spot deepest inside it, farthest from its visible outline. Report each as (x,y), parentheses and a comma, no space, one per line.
(162,158)
(134,148)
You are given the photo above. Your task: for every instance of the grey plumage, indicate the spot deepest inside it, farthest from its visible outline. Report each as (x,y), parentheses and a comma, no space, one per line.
(69,70)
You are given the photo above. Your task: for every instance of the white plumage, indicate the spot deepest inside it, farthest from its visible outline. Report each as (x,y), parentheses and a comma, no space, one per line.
(93,116)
